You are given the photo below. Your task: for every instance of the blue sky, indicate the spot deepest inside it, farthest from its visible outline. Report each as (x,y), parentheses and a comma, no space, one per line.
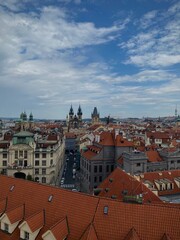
(122,56)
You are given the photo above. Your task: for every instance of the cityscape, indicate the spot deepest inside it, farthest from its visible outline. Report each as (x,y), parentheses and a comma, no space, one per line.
(90,164)
(90,120)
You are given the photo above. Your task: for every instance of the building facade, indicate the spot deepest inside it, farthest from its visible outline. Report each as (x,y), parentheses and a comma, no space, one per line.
(38,159)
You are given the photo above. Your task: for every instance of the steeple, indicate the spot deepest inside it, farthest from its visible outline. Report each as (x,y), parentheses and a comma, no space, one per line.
(176,112)
(31,117)
(71,112)
(95,116)
(79,113)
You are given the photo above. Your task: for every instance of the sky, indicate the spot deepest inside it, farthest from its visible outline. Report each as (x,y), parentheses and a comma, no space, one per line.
(121,56)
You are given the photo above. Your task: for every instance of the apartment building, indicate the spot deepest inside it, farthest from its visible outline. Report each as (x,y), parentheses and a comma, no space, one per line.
(26,155)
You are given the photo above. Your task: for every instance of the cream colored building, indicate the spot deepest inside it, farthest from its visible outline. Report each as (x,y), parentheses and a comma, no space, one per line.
(40,160)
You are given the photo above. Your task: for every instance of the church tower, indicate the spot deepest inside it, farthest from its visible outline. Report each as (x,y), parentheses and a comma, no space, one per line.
(79,114)
(95,116)
(71,113)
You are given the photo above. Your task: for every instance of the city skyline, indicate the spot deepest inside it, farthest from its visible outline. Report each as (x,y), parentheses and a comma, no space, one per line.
(122,57)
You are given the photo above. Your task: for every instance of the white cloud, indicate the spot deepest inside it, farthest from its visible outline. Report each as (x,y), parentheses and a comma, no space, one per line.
(157,43)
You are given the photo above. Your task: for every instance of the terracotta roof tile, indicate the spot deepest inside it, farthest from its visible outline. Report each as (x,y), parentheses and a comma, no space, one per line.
(88,154)
(90,233)
(122,142)
(3,205)
(36,221)
(170,175)
(16,214)
(60,229)
(121,182)
(166,237)
(150,221)
(153,156)
(132,235)
(106,139)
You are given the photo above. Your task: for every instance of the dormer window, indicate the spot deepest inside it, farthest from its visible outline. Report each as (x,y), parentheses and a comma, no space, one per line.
(6,227)
(26,235)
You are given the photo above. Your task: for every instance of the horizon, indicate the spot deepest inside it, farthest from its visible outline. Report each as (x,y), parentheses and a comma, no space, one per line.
(121,57)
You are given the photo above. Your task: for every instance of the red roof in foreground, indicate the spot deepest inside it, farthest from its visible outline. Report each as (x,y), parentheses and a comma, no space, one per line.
(109,219)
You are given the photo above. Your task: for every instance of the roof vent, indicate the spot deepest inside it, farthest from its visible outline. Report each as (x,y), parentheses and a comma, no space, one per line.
(50,198)
(113,196)
(110,179)
(11,188)
(106,210)
(106,189)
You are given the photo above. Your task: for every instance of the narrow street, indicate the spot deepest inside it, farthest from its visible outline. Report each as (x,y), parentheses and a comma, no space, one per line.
(69,179)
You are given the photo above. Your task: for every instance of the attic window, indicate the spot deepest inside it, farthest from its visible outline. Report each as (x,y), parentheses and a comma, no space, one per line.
(106,210)
(50,198)
(11,188)
(110,180)
(6,227)
(113,196)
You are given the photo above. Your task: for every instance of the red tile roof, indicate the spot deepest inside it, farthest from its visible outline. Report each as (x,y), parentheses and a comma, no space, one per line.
(170,175)
(36,221)
(149,220)
(132,235)
(153,156)
(3,205)
(60,229)
(90,233)
(16,214)
(106,139)
(119,181)
(122,142)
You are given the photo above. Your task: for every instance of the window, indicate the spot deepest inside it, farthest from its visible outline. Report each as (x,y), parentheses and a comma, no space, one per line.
(43,180)
(43,155)
(25,163)
(43,162)
(6,227)
(36,162)
(51,154)
(100,168)
(36,155)
(112,168)
(172,161)
(51,162)
(36,170)
(100,178)
(138,164)
(26,235)
(44,171)
(4,155)
(95,179)
(4,163)
(25,154)
(36,179)
(4,171)
(95,169)
(20,153)
(16,154)
(107,168)
(178,161)
(20,162)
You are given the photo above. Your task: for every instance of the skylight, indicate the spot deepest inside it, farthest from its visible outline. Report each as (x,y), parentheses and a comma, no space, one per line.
(106,210)
(11,188)
(50,198)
